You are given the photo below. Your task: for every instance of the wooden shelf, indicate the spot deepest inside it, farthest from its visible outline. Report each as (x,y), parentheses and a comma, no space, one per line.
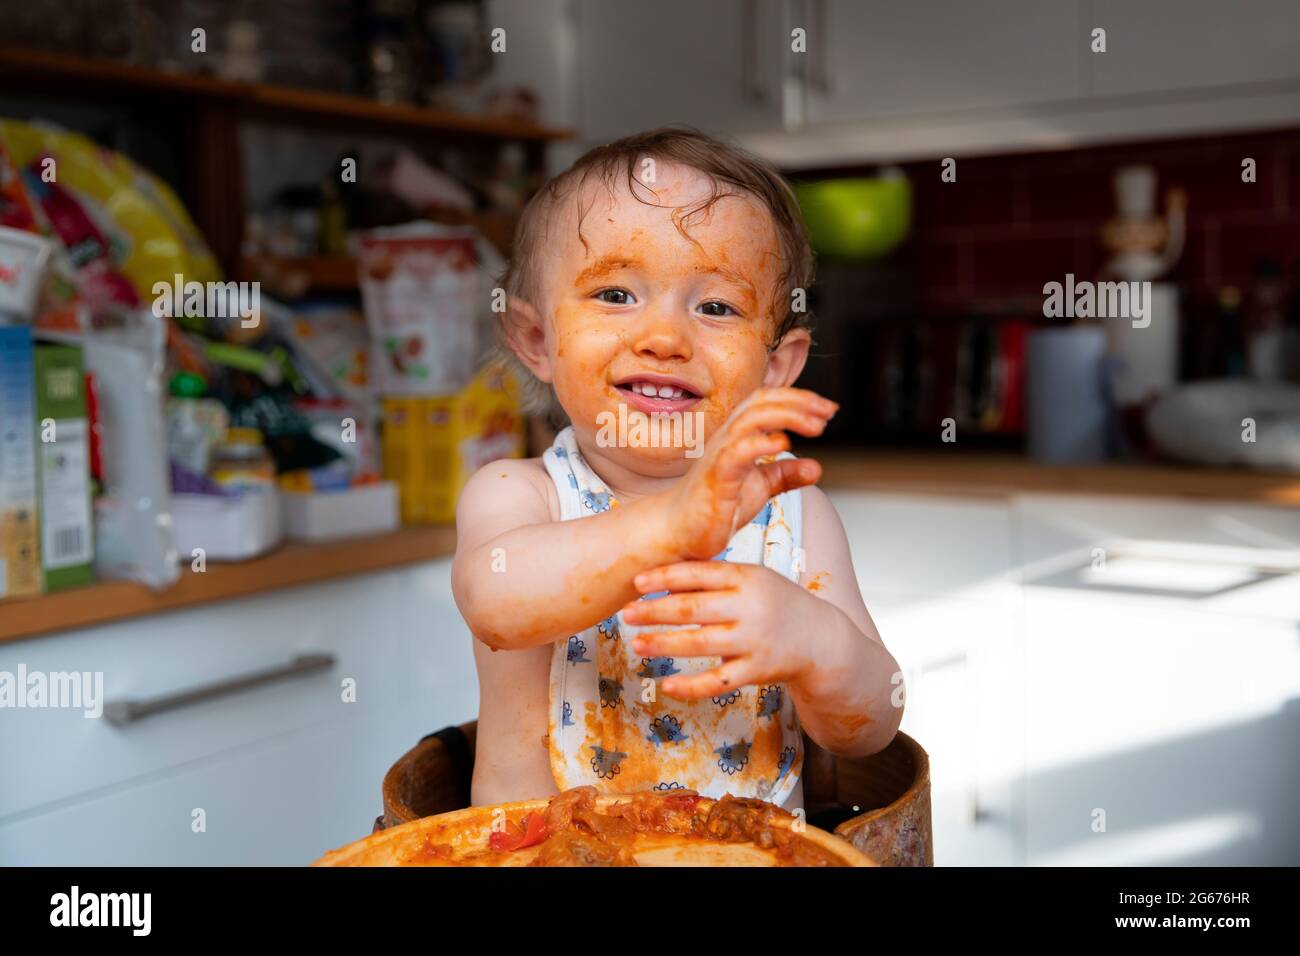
(42,72)
(995,473)
(288,566)
(312,274)
(207,116)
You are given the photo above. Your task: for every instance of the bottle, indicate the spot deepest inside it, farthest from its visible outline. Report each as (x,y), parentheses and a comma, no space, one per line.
(333,238)
(1263,321)
(1232,344)
(1291,335)
(241,462)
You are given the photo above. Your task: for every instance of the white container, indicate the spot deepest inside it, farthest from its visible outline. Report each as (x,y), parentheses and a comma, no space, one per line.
(326,515)
(23,258)
(227,529)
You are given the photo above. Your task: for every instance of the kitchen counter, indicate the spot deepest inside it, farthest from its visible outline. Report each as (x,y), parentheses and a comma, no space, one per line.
(1001,474)
(915,472)
(287,566)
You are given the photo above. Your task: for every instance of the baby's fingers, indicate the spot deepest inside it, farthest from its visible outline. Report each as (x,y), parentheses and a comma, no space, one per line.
(689,576)
(788,474)
(714,640)
(691,607)
(804,418)
(796,397)
(723,679)
(738,459)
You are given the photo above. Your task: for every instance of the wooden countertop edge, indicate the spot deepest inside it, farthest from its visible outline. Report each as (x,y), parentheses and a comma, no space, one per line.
(288,566)
(1004,475)
(296,564)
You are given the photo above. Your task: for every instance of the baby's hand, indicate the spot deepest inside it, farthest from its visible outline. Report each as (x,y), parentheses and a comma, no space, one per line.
(726,487)
(762,625)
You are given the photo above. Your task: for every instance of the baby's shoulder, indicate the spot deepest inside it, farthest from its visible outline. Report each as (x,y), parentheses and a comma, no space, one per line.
(519,485)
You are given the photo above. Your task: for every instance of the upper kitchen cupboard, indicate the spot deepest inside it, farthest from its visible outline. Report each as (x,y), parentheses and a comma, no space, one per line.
(1164,45)
(893,82)
(926,56)
(678,61)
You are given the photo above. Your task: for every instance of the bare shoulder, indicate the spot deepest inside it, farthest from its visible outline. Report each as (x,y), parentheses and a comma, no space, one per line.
(507,493)
(828,566)
(822,525)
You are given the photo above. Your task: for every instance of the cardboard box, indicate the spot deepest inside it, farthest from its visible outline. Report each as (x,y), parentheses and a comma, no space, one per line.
(327,515)
(20,557)
(227,528)
(432,445)
(63,467)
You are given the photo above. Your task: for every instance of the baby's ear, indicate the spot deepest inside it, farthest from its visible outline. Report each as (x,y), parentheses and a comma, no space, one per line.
(525,333)
(786,361)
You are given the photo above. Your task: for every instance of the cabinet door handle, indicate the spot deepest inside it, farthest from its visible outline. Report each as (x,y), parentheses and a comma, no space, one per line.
(119,713)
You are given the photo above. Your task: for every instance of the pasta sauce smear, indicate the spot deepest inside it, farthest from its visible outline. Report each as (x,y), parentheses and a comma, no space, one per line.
(574,831)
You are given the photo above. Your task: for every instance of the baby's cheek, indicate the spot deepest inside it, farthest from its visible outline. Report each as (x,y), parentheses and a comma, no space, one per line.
(583,396)
(737,372)
(580,356)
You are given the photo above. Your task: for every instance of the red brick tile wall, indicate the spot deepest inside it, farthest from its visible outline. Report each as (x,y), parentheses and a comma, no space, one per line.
(1011,223)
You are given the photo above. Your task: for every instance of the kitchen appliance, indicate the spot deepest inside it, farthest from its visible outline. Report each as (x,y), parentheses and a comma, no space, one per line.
(1144,246)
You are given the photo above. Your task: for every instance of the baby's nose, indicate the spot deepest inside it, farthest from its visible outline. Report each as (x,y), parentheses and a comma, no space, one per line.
(662,337)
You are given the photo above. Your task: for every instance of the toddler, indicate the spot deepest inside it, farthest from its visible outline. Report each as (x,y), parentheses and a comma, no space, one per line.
(664,599)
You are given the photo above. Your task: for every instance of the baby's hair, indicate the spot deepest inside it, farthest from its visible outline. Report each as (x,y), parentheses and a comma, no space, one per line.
(732,170)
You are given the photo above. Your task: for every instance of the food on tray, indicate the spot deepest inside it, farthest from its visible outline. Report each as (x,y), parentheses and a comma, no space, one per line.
(581,828)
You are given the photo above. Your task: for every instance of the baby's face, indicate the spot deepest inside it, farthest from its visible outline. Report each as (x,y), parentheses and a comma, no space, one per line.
(646,317)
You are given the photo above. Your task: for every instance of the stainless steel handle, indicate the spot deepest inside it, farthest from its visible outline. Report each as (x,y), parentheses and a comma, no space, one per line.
(119,713)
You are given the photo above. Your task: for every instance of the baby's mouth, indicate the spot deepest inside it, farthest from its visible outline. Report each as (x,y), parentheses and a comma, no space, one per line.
(657,394)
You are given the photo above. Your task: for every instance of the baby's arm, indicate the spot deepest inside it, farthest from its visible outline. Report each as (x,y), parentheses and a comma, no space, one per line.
(847,702)
(521,579)
(815,636)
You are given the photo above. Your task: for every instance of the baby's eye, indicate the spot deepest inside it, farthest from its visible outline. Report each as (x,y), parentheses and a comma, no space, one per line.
(614,296)
(717,309)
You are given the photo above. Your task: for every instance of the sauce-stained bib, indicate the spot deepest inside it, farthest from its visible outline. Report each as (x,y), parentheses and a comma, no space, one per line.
(602,729)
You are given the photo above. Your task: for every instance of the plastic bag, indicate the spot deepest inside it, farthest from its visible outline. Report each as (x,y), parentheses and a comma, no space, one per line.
(133,522)
(425,291)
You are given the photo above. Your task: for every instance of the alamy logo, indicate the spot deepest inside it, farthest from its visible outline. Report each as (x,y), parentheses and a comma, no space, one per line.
(103,909)
(55,690)
(1098,300)
(637,429)
(211,300)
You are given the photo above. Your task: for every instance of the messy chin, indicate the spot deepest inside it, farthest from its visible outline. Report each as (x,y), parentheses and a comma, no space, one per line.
(657,444)
(649,462)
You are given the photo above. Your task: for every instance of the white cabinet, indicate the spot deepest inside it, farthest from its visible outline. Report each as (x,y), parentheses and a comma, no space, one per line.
(938,578)
(928,545)
(284,770)
(1163,45)
(713,65)
(959,658)
(933,56)
(1161,682)
(930,78)
(1175,727)
(281,803)
(1048,693)
(360,621)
